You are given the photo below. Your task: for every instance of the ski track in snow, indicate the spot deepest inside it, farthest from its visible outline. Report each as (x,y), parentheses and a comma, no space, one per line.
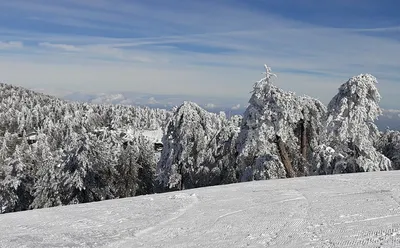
(352,210)
(150,230)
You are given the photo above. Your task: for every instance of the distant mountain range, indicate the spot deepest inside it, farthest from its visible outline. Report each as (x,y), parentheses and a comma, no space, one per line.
(390,119)
(231,106)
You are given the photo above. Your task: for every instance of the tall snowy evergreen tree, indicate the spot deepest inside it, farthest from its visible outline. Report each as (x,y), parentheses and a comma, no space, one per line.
(279,133)
(127,169)
(351,131)
(389,145)
(47,188)
(193,148)
(147,163)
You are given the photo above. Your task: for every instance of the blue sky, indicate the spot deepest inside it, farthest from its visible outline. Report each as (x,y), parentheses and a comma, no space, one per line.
(204,48)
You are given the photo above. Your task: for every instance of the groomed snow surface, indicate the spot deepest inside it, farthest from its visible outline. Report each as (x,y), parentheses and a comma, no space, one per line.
(349,210)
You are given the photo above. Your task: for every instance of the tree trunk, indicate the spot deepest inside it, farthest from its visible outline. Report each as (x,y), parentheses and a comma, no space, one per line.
(303,145)
(285,157)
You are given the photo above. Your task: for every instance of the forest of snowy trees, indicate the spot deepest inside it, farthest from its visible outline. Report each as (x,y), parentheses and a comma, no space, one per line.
(55,152)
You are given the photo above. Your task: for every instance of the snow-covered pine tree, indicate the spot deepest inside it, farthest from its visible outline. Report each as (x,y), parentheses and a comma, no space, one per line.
(389,145)
(351,131)
(47,188)
(279,132)
(88,170)
(17,179)
(147,163)
(195,145)
(128,169)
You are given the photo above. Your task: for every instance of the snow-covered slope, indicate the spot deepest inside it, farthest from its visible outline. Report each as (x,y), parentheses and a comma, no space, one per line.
(352,210)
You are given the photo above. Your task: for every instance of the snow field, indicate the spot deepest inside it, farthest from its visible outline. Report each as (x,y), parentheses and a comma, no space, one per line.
(351,210)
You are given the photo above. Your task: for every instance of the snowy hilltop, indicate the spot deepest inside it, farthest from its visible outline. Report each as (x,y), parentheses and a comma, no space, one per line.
(54,152)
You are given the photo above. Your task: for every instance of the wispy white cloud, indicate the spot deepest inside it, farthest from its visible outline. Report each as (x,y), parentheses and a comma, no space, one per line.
(382,29)
(393,111)
(11,45)
(65,47)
